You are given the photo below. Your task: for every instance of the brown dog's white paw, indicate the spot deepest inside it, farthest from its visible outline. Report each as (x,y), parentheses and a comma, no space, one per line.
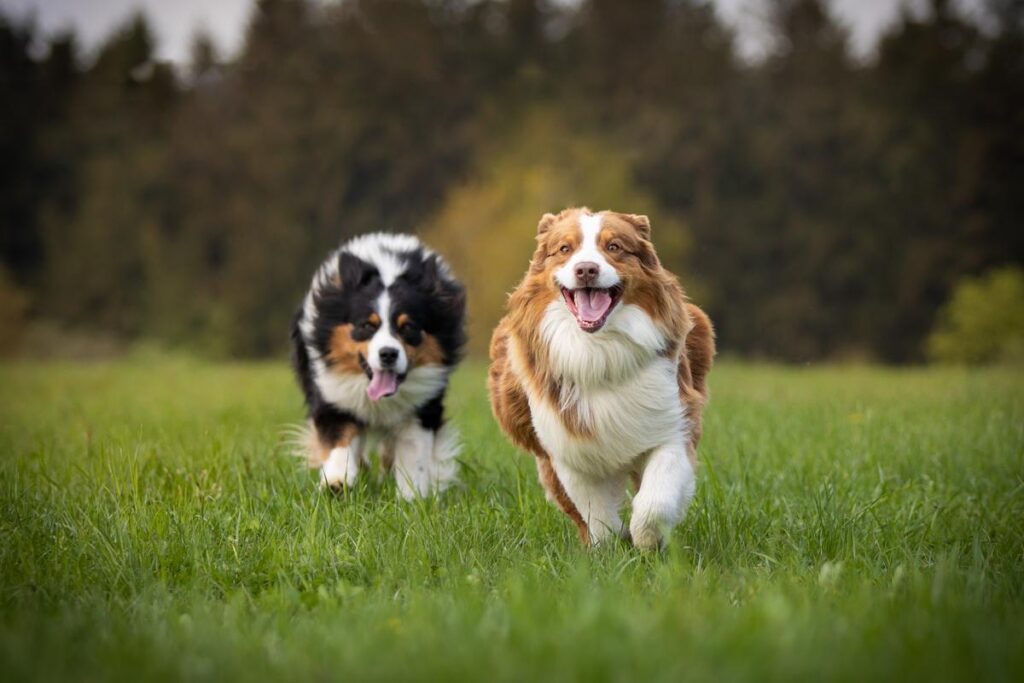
(647,537)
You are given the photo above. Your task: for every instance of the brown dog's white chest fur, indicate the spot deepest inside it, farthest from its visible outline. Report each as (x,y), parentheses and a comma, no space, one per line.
(617,398)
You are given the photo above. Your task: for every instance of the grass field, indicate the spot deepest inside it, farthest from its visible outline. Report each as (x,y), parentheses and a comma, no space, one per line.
(850,524)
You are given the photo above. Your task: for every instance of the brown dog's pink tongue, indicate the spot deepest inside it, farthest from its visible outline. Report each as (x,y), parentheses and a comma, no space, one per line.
(592,304)
(382,384)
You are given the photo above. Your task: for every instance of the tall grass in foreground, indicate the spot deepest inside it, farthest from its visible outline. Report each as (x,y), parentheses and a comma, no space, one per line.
(850,523)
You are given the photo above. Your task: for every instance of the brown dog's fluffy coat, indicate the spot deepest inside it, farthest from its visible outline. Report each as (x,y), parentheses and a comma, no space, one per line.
(530,381)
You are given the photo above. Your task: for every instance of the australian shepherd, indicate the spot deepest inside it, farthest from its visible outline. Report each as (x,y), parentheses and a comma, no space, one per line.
(599,369)
(374,342)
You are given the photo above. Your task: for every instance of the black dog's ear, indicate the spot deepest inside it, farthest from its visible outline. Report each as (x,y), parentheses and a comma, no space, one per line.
(354,272)
(442,302)
(442,287)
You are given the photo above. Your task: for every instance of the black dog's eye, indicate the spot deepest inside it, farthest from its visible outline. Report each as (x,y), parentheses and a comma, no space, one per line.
(405,325)
(614,246)
(564,249)
(367,326)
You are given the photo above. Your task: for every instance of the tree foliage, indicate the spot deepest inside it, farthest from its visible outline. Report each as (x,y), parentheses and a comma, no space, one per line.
(983,321)
(817,205)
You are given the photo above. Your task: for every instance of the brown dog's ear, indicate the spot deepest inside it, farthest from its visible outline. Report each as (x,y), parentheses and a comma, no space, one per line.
(545,223)
(645,252)
(640,222)
(647,256)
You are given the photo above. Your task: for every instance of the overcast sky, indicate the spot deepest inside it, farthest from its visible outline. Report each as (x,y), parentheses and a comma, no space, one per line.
(176,20)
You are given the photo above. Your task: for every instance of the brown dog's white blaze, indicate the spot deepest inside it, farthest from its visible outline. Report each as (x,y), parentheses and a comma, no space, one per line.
(599,369)
(590,285)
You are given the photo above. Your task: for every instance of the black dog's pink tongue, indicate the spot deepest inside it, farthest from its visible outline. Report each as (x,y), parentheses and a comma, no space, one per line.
(592,304)
(382,384)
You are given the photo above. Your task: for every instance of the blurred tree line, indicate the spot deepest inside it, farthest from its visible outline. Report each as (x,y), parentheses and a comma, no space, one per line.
(817,205)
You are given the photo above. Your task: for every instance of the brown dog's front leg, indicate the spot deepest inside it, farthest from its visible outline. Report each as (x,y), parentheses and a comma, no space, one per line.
(556,493)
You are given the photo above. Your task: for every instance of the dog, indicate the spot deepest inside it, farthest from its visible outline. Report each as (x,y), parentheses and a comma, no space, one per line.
(599,369)
(373,345)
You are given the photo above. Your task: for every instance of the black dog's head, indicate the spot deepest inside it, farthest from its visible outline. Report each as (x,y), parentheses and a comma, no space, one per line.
(383,312)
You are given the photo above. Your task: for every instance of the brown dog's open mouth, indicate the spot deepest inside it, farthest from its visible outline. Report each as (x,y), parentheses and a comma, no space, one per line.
(591,306)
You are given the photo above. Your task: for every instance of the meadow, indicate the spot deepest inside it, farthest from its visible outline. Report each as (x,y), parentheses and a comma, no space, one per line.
(851,523)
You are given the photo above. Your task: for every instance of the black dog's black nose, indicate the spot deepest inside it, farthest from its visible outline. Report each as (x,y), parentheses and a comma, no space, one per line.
(388,355)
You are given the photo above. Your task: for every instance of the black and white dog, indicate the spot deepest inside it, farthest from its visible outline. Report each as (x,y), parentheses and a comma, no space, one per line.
(374,343)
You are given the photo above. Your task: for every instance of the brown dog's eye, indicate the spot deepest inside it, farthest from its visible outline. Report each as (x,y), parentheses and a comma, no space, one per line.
(564,249)
(614,246)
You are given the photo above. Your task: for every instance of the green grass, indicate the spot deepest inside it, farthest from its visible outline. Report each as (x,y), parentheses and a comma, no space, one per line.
(850,523)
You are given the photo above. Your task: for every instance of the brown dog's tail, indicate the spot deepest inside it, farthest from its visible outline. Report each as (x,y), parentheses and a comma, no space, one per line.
(700,349)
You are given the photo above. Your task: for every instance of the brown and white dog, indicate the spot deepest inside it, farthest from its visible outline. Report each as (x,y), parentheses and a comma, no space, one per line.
(599,369)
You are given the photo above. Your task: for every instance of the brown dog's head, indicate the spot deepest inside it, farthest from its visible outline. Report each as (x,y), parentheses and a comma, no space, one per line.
(594,261)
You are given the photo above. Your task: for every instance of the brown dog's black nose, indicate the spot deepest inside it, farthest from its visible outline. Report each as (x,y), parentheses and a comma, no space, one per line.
(586,272)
